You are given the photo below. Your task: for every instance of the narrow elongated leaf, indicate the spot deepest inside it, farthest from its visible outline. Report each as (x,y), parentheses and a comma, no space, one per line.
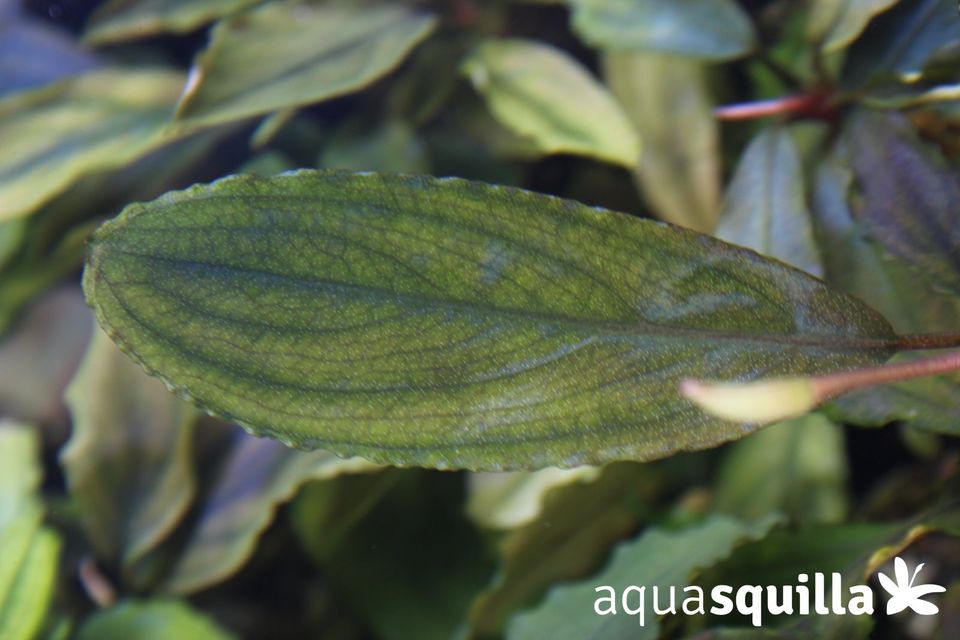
(254,479)
(447,323)
(657,558)
(121,20)
(834,24)
(545,95)
(710,29)
(910,195)
(667,99)
(128,460)
(30,551)
(290,53)
(98,121)
(764,207)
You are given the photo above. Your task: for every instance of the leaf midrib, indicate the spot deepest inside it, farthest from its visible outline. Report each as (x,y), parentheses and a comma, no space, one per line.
(609,329)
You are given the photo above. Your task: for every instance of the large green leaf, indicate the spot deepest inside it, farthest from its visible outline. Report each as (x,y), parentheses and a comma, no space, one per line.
(765,209)
(441,322)
(667,99)
(542,93)
(659,558)
(102,120)
(290,53)
(128,461)
(120,20)
(711,29)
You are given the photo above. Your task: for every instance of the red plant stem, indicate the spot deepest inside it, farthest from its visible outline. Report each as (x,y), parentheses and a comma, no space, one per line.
(763,108)
(813,104)
(826,387)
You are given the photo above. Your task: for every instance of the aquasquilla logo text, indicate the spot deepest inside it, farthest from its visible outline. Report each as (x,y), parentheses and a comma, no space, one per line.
(813,594)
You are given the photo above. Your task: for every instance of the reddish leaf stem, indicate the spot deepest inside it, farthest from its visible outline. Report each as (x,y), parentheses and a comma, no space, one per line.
(814,105)
(826,387)
(928,341)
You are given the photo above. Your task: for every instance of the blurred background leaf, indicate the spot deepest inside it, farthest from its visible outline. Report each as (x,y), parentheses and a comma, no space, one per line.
(119,20)
(292,53)
(151,620)
(128,460)
(238,501)
(545,95)
(797,467)
(100,120)
(28,571)
(900,42)
(765,208)
(667,99)
(659,557)
(709,29)
(834,24)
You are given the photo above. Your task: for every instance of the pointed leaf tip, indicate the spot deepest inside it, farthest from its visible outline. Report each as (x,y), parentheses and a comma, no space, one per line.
(761,402)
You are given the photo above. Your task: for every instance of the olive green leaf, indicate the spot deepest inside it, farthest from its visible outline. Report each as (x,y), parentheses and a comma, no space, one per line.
(910,195)
(128,461)
(901,41)
(290,53)
(120,20)
(448,323)
(834,24)
(94,122)
(667,99)
(544,94)
(709,29)
(658,558)
(151,620)
(30,551)
(797,467)
(765,205)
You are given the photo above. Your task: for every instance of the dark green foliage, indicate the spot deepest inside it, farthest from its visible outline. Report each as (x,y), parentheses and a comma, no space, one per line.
(428,322)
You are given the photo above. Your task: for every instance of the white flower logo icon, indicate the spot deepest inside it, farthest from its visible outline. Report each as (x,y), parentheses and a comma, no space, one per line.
(903,593)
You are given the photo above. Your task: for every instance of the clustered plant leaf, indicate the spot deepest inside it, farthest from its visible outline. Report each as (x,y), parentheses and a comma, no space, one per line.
(468,243)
